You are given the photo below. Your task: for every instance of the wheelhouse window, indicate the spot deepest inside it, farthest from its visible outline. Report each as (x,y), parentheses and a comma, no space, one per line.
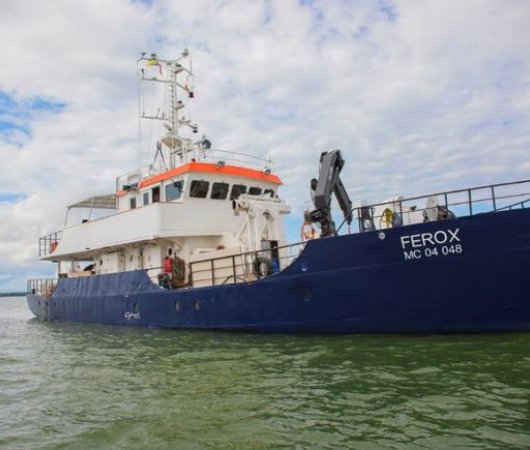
(199,188)
(174,190)
(219,191)
(268,192)
(237,190)
(254,190)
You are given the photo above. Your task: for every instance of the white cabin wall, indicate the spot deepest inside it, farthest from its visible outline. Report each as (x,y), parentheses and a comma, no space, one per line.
(133,258)
(152,259)
(64,267)
(157,221)
(121,261)
(196,244)
(110,263)
(121,203)
(185,217)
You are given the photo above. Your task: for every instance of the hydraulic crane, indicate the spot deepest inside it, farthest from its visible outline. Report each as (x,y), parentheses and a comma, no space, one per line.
(329,182)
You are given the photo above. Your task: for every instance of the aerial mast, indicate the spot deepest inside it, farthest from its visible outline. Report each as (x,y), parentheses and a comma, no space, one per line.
(177,77)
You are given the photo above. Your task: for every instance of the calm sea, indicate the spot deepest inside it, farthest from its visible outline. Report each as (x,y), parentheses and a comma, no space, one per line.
(68,386)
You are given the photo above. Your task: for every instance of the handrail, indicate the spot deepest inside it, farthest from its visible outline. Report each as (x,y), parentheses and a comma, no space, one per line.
(43,286)
(521,205)
(472,205)
(48,244)
(210,155)
(240,157)
(240,267)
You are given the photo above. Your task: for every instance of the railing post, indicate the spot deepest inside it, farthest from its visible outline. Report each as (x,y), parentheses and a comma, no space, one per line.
(213,272)
(234,268)
(493,198)
(470,202)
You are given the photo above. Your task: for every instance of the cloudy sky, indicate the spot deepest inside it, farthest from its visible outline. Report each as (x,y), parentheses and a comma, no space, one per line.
(420,95)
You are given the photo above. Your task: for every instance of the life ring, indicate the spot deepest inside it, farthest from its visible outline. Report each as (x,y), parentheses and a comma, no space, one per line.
(263,267)
(387,218)
(53,246)
(307,232)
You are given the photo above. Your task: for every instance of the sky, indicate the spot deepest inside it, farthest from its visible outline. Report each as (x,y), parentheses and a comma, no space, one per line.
(419,95)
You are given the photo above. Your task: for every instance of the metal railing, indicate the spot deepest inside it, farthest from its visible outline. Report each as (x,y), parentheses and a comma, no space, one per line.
(518,205)
(443,205)
(44,287)
(237,268)
(48,244)
(216,156)
(242,267)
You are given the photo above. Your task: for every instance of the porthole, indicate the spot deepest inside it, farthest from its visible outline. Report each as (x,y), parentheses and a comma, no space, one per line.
(177,306)
(197,305)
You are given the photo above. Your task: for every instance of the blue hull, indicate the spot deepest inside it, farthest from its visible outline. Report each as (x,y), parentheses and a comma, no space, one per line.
(465,275)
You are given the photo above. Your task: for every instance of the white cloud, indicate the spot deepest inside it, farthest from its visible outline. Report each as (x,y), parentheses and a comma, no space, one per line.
(420,96)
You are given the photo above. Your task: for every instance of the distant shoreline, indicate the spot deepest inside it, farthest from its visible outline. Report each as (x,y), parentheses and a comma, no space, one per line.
(12,294)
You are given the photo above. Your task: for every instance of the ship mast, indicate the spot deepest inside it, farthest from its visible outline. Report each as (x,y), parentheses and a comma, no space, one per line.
(177,77)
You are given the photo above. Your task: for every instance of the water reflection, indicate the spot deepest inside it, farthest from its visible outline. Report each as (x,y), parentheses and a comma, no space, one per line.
(90,386)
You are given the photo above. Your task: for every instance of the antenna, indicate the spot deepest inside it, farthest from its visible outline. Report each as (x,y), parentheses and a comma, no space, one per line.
(176,77)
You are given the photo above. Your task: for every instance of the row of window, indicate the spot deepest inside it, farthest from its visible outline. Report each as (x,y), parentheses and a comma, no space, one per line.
(219,191)
(200,189)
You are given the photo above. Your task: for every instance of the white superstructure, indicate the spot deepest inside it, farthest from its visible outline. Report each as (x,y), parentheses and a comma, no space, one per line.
(190,202)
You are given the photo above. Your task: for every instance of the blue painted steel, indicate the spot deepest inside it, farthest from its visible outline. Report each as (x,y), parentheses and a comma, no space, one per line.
(360,283)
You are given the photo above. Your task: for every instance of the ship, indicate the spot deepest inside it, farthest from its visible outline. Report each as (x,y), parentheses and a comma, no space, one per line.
(195,239)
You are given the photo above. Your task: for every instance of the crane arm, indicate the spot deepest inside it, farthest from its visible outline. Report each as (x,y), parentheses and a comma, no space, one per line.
(328,183)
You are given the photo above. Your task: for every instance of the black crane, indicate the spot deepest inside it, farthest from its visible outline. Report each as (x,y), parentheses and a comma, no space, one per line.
(328,183)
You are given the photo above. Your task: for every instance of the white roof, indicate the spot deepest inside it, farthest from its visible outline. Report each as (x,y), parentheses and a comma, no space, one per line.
(97,202)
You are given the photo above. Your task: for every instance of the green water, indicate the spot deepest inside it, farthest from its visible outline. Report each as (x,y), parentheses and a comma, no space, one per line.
(68,386)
